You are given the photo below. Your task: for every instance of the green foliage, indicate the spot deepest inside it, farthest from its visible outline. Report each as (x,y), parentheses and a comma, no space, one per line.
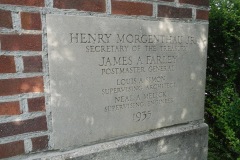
(223,80)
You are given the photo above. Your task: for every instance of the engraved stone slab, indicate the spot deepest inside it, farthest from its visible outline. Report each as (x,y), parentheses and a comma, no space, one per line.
(114,77)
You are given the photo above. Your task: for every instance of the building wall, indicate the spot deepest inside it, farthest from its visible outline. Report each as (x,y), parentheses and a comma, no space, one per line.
(25,112)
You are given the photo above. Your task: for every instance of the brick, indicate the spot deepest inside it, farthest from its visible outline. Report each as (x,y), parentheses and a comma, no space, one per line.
(24,42)
(82,5)
(36,104)
(131,8)
(202,14)
(10,108)
(196,2)
(11,149)
(5,19)
(7,64)
(37,3)
(20,127)
(31,21)
(39,143)
(173,12)
(32,64)
(20,85)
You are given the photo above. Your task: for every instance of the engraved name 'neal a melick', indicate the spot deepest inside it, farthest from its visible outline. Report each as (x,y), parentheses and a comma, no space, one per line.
(113,77)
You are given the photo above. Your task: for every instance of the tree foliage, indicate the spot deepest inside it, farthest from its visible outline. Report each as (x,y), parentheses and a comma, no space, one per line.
(223,80)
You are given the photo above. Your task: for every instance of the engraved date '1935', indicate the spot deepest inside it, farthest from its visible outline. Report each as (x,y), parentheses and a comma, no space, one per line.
(141,116)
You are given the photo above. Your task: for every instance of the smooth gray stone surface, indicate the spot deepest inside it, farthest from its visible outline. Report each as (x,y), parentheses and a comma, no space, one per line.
(114,77)
(185,142)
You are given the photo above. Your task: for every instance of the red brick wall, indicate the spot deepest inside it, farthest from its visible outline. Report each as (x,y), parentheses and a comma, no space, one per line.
(25,116)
